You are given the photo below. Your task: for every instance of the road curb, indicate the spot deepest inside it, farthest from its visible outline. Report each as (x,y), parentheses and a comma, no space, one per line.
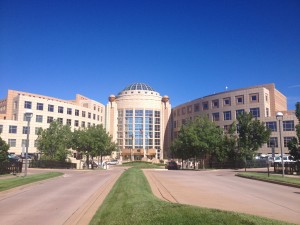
(269,181)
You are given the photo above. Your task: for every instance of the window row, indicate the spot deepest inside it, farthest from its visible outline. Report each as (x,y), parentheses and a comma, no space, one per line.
(40,118)
(216,103)
(273,142)
(60,109)
(227,115)
(13,143)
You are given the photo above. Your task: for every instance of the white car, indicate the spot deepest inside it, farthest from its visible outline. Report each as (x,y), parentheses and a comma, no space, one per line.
(112,162)
(286,159)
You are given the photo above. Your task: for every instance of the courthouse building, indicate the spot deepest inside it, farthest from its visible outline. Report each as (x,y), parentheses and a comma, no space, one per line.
(140,120)
(263,101)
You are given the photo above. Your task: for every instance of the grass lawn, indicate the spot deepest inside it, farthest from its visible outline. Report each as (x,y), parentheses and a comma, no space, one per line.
(144,165)
(273,177)
(131,202)
(9,183)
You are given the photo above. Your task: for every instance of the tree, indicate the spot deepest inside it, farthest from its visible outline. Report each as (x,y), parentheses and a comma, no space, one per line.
(101,142)
(229,144)
(82,143)
(3,150)
(93,141)
(198,138)
(55,141)
(252,135)
(293,145)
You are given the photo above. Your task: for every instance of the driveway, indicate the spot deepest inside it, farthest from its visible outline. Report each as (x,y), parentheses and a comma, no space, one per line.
(221,189)
(70,199)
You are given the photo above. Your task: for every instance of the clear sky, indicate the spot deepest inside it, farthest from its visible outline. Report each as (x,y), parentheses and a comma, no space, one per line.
(185,49)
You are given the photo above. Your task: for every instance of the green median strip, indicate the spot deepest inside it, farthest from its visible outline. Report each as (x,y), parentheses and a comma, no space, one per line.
(131,202)
(9,183)
(276,178)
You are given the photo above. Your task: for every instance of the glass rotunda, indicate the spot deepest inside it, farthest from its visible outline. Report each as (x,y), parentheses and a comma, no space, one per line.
(138,119)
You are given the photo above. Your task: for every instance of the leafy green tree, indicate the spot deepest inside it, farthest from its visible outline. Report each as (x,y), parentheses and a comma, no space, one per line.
(55,141)
(252,135)
(229,145)
(82,143)
(3,150)
(199,138)
(93,141)
(101,142)
(293,145)
(209,138)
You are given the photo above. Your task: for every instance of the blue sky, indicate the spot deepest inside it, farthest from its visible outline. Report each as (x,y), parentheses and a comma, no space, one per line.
(183,49)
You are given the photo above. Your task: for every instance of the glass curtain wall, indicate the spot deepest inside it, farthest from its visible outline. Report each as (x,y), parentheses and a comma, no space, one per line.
(139,129)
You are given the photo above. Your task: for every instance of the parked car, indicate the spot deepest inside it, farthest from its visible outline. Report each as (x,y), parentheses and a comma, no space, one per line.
(112,162)
(286,159)
(172,165)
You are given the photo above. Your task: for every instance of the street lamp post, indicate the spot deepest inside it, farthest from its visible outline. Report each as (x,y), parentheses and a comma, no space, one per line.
(279,117)
(28,114)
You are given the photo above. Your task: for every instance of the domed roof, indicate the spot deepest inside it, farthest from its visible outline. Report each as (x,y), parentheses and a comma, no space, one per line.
(139,86)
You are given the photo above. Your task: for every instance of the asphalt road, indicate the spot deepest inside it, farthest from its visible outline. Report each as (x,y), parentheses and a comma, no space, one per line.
(70,199)
(220,189)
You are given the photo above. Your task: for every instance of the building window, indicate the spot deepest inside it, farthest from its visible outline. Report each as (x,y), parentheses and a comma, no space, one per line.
(60,120)
(226,101)
(286,141)
(239,99)
(27,105)
(49,119)
(25,130)
(267,112)
(157,113)
(267,98)
(12,142)
(272,126)
(254,97)
(215,104)
(40,106)
(69,111)
(39,118)
(273,142)
(139,113)
(76,112)
(196,108)
(12,129)
(216,116)
(69,122)
(76,123)
(227,115)
(82,124)
(174,124)
(288,125)
(255,112)
(89,124)
(89,115)
(60,109)
(205,105)
(178,112)
(83,113)
(239,112)
(50,108)
(183,110)
(1,129)
(38,130)
(94,116)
